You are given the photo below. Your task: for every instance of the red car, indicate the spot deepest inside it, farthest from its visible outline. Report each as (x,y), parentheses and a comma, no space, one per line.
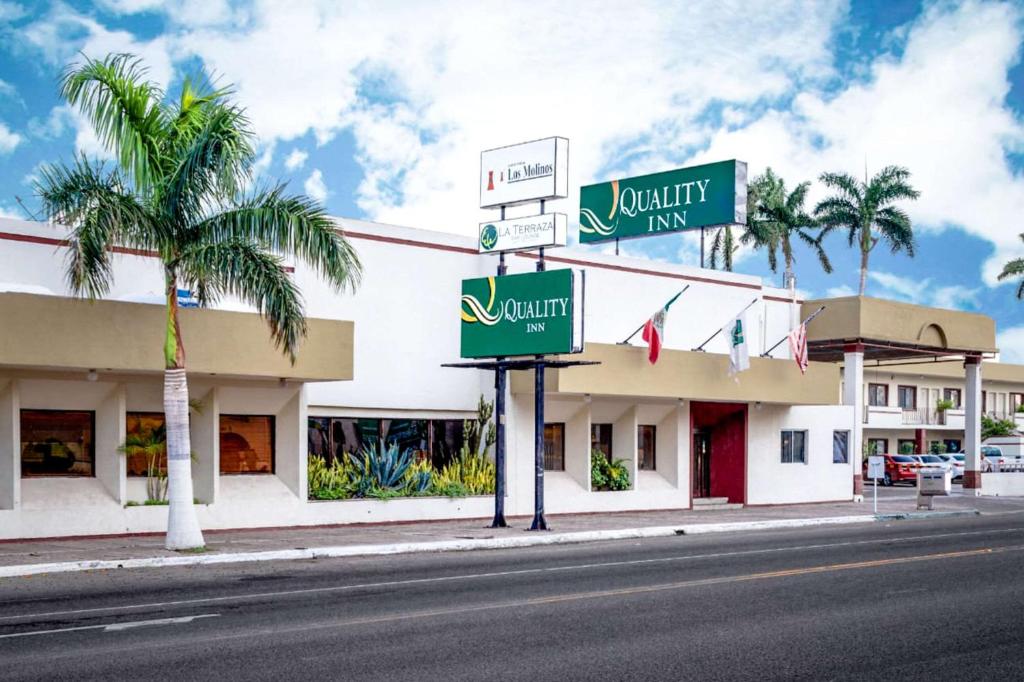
(897,468)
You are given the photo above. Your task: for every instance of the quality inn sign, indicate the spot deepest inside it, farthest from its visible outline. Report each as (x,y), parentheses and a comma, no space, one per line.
(533,313)
(676,200)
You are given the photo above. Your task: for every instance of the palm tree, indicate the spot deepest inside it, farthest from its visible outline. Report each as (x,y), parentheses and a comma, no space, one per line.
(724,244)
(179,190)
(865,209)
(778,218)
(1015,268)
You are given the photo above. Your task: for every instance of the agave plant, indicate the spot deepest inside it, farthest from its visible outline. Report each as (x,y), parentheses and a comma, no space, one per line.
(381,467)
(418,478)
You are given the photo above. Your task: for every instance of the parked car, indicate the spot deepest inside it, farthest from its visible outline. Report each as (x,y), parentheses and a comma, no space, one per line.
(898,468)
(956,464)
(992,458)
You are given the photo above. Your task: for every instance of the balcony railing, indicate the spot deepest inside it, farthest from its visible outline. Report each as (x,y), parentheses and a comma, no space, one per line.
(924,417)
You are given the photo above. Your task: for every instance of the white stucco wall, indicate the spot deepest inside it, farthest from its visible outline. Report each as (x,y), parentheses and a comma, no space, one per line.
(769,481)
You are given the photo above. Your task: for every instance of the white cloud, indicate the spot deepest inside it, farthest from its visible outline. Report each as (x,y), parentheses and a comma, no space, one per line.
(11,11)
(1010,342)
(840,291)
(8,139)
(296,160)
(7,211)
(315,187)
(939,109)
(424,88)
(924,291)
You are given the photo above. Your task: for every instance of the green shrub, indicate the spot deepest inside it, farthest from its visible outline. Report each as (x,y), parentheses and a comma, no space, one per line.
(942,405)
(605,475)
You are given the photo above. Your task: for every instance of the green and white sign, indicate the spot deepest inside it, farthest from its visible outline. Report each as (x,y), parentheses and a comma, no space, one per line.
(520,234)
(534,313)
(676,200)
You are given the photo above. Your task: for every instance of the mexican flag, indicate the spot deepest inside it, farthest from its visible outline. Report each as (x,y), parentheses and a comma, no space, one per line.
(736,335)
(654,331)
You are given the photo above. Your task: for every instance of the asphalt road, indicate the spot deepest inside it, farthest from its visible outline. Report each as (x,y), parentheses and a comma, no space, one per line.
(910,600)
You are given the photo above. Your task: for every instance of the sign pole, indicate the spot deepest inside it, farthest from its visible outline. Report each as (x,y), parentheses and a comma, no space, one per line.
(499,425)
(539,523)
(702,248)
(876,497)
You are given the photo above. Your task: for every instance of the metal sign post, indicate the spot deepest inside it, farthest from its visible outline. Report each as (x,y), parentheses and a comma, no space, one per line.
(876,471)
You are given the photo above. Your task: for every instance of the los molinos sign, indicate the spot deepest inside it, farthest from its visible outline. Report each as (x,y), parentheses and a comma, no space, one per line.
(534,313)
(525,172)
(520,234)
(681,199)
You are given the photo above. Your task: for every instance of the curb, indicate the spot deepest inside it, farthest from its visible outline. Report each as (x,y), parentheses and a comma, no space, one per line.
(25,570)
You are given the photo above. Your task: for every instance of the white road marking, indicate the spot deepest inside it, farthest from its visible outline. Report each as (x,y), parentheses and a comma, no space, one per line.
(498,574)
(114,627)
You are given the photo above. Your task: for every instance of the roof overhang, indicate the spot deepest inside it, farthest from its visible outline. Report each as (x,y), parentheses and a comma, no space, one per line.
(891,330)
(625,372)
(60,334)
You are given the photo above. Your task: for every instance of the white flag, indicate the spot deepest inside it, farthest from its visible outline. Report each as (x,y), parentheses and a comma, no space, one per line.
(736,335)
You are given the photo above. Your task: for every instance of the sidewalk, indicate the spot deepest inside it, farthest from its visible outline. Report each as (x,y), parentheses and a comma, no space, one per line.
(27,557)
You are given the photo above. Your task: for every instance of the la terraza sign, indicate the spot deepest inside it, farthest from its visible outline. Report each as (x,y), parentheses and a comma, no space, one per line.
(682,199)
(520,234)
(524,172)
(533,313)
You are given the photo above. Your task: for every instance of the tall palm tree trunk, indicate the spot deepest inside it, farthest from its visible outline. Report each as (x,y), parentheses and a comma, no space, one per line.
(790,281)
(183,530)
(863,269)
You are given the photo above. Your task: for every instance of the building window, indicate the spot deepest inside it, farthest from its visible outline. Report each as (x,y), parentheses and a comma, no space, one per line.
(246,444)
(794,447)
(878,395)
(601,439)
(953,445)
(57,443)
(554,447)
(907,396)
(1016,402)
(438,440)
(907,446)
(878,446)
(840,447)
(145,443)
(647,435)
(953,396)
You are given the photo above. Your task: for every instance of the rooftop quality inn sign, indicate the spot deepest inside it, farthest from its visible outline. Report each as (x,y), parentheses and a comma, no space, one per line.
(681,199)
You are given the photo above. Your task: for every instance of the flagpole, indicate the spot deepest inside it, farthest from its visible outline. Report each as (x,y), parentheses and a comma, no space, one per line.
(768,353)
(670,302)
(700,348)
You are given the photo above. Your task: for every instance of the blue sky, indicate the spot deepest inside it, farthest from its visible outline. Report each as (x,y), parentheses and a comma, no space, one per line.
(380,109)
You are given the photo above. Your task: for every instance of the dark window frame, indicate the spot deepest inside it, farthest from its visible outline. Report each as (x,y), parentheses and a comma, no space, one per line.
(947,394)
(792,446)
(871,395)
(846,447)
(654,447)
(884,450)
(561,430)
(913,394)
(913,443)
(21,447)
(142,413)
(596,444)
(273,446)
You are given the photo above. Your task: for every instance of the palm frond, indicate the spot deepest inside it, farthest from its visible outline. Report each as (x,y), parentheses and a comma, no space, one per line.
(102,213)
(847,185)
(292,225)
(125,110)
(240,268)
(214,165)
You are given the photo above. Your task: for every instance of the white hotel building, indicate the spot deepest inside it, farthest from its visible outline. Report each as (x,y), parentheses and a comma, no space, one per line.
(80,374)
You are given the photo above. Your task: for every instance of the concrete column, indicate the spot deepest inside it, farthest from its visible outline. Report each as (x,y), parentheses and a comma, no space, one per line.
(577,446)
(111,467)
(624,442)
(206,445)
(670,444)
(292,443)
(972,422)
(921,440)
(10,446)
(853,391)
